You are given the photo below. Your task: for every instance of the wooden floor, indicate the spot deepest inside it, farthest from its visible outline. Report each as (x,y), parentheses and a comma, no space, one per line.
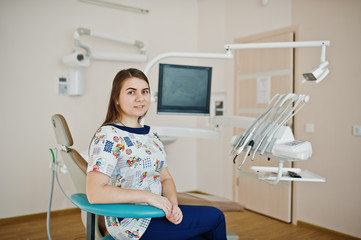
(252,226)
(247,225)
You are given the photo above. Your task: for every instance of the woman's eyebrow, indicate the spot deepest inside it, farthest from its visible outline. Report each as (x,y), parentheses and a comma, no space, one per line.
(131,88)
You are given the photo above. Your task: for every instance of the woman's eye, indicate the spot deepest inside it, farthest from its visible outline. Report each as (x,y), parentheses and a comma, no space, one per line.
(145,91)
(131,92)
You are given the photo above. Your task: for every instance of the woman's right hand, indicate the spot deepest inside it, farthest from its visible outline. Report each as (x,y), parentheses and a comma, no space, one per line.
(160,202)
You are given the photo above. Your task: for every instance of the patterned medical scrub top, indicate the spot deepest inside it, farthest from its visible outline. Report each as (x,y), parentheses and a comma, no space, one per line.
(132,158)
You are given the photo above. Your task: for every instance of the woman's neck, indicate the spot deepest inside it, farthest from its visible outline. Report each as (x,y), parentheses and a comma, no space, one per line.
(133,123)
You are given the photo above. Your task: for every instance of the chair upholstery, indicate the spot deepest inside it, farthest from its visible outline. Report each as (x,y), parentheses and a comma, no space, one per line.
(61,129)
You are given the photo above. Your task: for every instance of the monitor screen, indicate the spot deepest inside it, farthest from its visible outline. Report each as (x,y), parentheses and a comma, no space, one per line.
(184,89)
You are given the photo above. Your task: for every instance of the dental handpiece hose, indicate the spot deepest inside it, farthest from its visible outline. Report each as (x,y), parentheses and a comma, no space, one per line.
(252,128)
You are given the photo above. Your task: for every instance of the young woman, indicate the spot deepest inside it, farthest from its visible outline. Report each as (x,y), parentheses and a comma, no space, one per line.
(127,164)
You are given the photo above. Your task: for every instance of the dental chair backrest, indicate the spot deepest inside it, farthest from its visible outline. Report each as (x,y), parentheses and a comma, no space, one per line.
(75,163)
(76,166)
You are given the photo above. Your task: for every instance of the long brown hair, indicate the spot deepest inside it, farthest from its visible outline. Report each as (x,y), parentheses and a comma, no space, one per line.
(114,110)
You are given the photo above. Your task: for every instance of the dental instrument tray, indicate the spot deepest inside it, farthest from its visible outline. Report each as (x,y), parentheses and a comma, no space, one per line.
(270,174)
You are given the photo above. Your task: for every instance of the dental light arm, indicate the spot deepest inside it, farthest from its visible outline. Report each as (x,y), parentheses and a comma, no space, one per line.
(305,44)
(258,127)
(82,54)
(317,74)
(99,55)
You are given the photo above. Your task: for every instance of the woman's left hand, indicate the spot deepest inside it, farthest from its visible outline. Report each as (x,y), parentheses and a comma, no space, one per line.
(176,215)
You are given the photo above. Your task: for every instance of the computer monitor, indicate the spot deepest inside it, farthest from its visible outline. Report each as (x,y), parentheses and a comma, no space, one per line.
(184,89)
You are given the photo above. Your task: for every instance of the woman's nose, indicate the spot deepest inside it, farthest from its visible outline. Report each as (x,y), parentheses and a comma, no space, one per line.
(139,97)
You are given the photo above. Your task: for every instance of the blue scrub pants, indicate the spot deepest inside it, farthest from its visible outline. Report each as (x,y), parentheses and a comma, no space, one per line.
(199,223)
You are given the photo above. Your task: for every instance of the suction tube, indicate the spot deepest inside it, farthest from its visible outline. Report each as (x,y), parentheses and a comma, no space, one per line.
(54,174)
(50,198)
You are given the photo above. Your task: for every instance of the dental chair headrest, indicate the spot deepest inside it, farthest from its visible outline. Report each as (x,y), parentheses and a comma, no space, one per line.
(61,129)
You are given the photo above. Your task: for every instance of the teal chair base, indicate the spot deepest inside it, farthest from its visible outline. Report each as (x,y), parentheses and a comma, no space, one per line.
(108,237)
(113,210)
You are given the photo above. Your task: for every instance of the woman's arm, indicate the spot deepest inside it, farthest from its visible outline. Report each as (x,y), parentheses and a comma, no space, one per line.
(169,191)
(99,191)
(168,187)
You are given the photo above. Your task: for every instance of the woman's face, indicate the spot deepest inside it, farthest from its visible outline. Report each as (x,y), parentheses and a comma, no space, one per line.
(134,98)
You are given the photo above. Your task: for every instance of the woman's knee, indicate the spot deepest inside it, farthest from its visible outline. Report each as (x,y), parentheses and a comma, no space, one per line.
(209,215)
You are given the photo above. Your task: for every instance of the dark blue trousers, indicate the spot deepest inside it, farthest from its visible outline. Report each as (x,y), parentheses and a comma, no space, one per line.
(199,223)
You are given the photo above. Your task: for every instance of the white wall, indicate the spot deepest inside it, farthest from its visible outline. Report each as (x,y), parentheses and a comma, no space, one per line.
(34,36)
(334,108)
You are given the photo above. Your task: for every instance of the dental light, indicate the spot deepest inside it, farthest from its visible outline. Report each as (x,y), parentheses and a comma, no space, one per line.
(317,74)
(81,56)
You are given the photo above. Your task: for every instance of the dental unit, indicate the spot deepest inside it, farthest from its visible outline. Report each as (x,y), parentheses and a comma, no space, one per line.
(267,135)
(261,133)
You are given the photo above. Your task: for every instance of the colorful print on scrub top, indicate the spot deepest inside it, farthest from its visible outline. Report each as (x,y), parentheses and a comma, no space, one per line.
(132,158)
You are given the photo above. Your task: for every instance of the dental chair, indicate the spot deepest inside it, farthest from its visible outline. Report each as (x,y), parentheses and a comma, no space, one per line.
(92,215)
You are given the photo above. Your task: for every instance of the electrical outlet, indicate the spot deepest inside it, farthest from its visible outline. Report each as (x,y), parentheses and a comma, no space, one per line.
(62,85)
(356,130)
(309,128)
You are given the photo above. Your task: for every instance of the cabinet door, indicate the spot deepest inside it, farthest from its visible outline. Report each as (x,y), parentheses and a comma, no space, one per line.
(259,75)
